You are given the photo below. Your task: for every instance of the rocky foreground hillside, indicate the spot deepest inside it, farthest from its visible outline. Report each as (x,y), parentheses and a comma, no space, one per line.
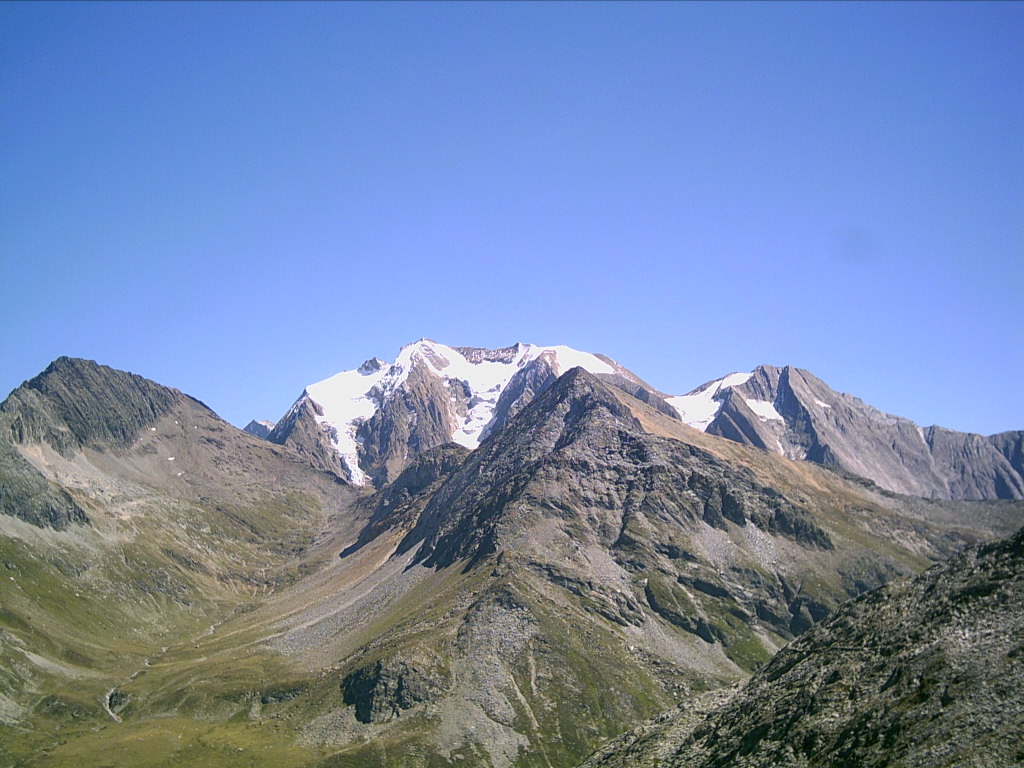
(924,674)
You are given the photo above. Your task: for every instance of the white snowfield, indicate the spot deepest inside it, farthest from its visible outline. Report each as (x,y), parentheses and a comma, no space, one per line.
(700,407)
(349,398)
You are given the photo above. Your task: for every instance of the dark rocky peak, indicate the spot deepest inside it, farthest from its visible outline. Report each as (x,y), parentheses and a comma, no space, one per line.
(791,412)
(787,388)
(589,403)
(71,405)
(735,421)
(76,403)
(259,428)
(299,430)
(763,383)
(578,453)
(462,518)
(479,355)
(372,365)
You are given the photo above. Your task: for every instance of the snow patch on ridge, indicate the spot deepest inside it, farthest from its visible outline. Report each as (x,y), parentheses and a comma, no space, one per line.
(763,409)
(699,408)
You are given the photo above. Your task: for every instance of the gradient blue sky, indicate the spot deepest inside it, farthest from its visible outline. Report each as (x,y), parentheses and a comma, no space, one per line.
(241,199)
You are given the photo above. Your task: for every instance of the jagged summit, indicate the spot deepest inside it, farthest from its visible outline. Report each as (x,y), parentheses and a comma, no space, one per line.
(791,412)
(368,423)
(76,402)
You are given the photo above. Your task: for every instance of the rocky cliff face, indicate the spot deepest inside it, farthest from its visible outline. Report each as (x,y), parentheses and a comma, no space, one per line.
(925,673)
(790,412)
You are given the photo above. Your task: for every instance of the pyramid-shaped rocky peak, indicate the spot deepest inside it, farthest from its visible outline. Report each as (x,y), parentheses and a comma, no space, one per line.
(75,402)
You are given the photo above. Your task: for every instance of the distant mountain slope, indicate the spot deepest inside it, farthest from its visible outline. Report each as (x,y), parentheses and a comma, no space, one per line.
(925,674)
(790,412)
(259,428)
(367,424)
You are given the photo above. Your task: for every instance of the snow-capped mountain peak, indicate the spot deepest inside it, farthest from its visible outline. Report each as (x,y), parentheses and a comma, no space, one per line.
(370,423)
(474,380)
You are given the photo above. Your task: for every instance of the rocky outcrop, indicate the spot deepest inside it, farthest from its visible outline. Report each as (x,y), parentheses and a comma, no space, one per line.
(382,690)
(27,494)
(398,505)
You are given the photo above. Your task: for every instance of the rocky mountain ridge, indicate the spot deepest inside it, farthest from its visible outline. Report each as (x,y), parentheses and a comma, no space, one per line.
(791,412)
(367,424)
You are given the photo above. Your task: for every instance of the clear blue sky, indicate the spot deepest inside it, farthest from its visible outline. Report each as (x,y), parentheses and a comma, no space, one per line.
(241,199)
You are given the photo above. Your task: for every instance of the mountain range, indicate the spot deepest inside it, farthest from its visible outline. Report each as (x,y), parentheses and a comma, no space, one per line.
(367,423)
(465,557)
